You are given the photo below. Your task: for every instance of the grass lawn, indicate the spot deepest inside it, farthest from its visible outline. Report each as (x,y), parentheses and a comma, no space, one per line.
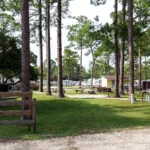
(63,117)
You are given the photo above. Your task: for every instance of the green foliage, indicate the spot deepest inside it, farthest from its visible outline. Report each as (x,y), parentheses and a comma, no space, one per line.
(103,67)
(76,33)
(142,12)
(146,68)
(10,16)
(34,72)
(33,59)
(105,37)
(85,74)
(53,71)
(10,58)
(8,23)
(102,50)
(97,2)
(70,62)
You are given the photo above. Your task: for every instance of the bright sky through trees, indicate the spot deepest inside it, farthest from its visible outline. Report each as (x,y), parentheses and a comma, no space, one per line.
(77,8)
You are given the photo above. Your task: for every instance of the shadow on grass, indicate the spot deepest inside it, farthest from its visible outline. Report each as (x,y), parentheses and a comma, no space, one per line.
(74,117)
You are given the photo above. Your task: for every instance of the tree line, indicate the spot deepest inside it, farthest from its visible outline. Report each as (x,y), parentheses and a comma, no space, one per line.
(118,48)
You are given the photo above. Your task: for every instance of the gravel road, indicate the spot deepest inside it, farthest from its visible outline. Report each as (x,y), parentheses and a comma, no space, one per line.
(125,140)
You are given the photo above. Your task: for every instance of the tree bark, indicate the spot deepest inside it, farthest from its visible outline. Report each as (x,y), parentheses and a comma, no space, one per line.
(48,88)
(139,70)
(59,51)
(108,67)
(80,84)
(92,73)
(41,48)
(116,52)
(130,48)
(122,48)
(145,69)
(25,52)
(68,76)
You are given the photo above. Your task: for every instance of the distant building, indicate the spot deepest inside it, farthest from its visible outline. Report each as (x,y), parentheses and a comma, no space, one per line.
(69,82)
(109,81)
(96,82)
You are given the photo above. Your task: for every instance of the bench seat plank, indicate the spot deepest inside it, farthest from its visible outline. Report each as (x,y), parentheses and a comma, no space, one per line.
(15,112)
(10,94)
(16,122)
(13,103)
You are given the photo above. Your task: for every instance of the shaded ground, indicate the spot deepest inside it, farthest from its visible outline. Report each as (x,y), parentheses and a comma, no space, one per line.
(125,140)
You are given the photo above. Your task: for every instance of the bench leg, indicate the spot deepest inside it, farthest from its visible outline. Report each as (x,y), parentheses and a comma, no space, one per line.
(34,128)
(108,94)
(29,127)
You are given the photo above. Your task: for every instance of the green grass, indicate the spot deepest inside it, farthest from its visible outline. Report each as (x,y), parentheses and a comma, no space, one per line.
(69,117)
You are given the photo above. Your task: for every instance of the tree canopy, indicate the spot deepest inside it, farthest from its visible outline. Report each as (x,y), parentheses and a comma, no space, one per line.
(10,58)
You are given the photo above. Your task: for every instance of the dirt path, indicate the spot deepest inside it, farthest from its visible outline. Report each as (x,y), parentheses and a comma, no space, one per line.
(126,140)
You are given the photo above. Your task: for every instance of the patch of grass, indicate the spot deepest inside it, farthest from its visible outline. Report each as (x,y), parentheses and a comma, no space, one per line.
(138,95)
(64,117)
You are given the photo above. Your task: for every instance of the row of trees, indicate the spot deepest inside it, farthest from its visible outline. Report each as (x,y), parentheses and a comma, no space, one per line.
(10,59)
(99,40)
(90,37)
(32,24)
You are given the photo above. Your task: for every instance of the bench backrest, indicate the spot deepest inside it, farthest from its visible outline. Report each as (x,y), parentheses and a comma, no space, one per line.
(29,113)
(108,90)
(14,94)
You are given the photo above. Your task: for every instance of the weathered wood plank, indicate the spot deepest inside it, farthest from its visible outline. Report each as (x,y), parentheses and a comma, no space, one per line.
(34,115)
(15,113)
(16,122)
(30,112)
(20,94)
(13,103)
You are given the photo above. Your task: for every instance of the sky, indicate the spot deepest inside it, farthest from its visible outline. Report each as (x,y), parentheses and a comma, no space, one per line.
(77,8)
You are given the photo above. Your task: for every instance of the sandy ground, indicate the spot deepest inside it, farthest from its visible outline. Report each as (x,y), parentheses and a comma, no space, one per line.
(86,96)
(125,140)
(94,96)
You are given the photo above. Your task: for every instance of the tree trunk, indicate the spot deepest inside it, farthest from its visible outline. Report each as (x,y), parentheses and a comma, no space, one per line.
(130,48)
(25,52)
(80,67)
(48,89)
(116,52)
(122,48)
(108,67)
(68,78)
(145,68)
(92,73)
(41,48)
(139,70)
(59,51)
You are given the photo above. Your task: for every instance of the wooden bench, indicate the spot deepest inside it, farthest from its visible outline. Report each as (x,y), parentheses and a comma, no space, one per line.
(108,90)
(91,92)
(27,110)
(104,89)
(79,90)
(101,89)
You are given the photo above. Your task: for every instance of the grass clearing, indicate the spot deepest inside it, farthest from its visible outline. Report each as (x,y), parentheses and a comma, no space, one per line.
(69,117)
